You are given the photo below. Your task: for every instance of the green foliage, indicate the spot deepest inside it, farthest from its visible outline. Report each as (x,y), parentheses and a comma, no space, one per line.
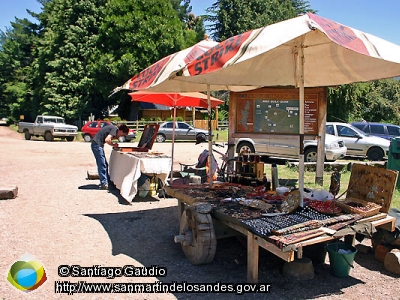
(232,17)
(223,115)
(16,56)
(375,101)
(87,48)
(116,119)
(133,35)
(64,57)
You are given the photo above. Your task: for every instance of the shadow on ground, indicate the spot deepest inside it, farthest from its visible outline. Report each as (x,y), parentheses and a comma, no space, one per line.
(148,237)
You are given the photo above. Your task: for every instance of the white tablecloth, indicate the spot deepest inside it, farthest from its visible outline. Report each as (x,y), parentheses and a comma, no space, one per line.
(125,169)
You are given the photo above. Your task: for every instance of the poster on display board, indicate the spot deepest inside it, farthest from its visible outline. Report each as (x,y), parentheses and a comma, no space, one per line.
(277,111)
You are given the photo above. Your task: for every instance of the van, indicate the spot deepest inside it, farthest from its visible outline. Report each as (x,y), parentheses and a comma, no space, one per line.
(383,130)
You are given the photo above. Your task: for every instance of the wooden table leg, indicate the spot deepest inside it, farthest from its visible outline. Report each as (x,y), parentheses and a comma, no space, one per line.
(252,258)
(181,209)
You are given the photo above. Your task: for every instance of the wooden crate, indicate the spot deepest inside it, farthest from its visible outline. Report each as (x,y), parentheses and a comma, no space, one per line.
(372,184)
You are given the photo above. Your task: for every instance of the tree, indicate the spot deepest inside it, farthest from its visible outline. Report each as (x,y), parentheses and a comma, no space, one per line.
(232,17)
(133,35)
(64,82)
(374,101)
(302,7)
(193,27)
(16,57)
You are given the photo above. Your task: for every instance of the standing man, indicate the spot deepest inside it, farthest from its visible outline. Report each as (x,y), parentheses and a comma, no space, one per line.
(106,135)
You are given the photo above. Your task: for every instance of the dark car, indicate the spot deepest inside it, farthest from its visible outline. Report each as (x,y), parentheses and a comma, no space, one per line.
(92,127)
(383,130)
(183,132)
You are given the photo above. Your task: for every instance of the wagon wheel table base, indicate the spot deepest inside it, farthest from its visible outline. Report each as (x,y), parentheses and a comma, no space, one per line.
(197,235)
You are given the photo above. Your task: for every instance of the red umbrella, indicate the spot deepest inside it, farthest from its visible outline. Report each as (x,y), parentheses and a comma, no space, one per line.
(194,99)
(174,100)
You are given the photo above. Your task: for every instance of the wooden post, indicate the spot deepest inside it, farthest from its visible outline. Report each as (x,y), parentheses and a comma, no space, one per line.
(252,258)
(216,118)
(322,111)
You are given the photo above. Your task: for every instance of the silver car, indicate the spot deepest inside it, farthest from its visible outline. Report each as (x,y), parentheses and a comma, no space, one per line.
(183,132)
(282,147)
(359,143)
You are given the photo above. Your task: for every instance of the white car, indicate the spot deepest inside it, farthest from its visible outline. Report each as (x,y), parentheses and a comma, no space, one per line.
(359,143)
(289,148)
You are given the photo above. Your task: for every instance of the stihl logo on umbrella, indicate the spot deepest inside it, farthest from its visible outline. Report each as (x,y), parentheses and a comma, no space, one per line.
(147,76)
(219,55)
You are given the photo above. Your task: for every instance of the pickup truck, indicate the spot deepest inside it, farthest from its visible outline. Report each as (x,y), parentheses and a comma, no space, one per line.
(49,127)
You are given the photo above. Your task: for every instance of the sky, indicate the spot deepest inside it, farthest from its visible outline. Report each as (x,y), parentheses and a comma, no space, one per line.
(380,18)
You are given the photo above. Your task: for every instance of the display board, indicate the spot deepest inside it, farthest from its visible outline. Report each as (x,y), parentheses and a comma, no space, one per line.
(276,111)
(149,134)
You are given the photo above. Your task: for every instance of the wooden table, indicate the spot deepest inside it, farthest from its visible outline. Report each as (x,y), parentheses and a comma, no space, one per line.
(126,168)
(254,241)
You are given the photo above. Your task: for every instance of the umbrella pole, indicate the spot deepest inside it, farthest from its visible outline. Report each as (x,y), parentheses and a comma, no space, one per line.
(173,145)
(210,156)
(301,107)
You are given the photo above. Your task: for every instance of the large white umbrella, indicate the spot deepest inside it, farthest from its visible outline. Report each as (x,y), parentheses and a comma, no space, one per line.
(306,51)
(158,72)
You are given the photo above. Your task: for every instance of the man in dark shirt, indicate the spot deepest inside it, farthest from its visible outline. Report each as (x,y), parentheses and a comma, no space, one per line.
(106,136)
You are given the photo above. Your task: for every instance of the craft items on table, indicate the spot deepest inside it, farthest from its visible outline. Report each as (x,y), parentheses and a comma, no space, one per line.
(312,214)
(338,219)
(305,226)
(291,202)
(285,240)
(341,225)
(325,207)
(260,226)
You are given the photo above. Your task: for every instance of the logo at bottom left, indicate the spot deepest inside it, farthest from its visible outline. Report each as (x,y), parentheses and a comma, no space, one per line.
(27,274)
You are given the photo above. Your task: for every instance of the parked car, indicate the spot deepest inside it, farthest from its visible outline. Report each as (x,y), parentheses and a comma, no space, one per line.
(289,148)
(359,143)
(183,131)
(383,130)
(92,127)
(49,127)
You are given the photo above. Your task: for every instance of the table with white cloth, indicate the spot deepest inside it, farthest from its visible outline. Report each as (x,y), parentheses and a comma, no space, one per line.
(125,169)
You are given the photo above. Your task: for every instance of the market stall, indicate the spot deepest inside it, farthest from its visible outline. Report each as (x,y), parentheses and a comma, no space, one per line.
(276,222)
(127,164)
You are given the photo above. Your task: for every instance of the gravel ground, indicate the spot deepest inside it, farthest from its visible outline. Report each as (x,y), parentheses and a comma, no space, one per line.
(61,218)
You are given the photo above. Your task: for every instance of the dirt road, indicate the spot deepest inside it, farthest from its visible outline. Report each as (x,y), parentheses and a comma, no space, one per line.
(61,218)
